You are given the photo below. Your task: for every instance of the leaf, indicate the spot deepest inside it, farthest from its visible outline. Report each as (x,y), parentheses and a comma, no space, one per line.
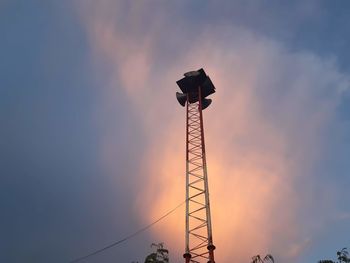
(163,250)
(256,259)
(269,257)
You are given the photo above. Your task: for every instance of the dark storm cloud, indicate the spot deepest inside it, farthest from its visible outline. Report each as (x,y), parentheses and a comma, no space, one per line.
(55,192)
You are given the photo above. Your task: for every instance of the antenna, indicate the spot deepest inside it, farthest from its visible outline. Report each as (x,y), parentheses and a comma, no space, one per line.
(199,247)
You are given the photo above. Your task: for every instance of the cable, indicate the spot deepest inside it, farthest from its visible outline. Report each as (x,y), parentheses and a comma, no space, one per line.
(127,237)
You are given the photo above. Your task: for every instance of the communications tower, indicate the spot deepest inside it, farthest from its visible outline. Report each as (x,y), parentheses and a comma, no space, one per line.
(199,247)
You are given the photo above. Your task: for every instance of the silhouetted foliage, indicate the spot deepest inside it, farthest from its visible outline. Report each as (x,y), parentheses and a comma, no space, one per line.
(267,258)
(161,255)
(342,255)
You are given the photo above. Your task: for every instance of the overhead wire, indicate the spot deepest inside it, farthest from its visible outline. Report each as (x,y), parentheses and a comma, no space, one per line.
(79,259)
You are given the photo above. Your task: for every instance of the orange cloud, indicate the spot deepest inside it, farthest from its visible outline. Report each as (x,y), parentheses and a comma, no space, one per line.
(263,130)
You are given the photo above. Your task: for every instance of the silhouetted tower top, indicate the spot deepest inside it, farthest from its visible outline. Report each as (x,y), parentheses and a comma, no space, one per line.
(192,84)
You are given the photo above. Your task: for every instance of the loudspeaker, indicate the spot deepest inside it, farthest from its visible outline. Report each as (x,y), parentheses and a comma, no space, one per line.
(181,98)
(205,103)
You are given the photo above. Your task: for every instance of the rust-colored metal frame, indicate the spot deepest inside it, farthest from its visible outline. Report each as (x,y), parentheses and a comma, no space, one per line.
(199,240)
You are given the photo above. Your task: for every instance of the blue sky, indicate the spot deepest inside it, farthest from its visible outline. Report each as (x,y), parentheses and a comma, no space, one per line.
(90,143)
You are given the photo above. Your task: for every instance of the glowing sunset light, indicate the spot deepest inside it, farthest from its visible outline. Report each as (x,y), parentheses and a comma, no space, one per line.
(93,156)
(259,139)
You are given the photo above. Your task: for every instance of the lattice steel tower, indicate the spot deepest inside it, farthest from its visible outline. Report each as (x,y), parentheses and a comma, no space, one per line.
(195,87)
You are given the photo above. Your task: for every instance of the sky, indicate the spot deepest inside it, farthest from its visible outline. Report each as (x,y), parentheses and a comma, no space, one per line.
(92,139)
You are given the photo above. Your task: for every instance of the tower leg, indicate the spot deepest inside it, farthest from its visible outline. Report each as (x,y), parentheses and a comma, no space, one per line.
(187,257)
(211,249)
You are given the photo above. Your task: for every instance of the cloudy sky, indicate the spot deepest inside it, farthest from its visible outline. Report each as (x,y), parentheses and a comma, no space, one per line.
(92,137)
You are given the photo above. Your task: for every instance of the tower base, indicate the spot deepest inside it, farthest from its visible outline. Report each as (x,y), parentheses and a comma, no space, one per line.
(211,249)
(187,257)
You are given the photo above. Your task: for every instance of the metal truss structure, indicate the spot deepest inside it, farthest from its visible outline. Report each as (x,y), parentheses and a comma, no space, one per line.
(199,241)
(195,87)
